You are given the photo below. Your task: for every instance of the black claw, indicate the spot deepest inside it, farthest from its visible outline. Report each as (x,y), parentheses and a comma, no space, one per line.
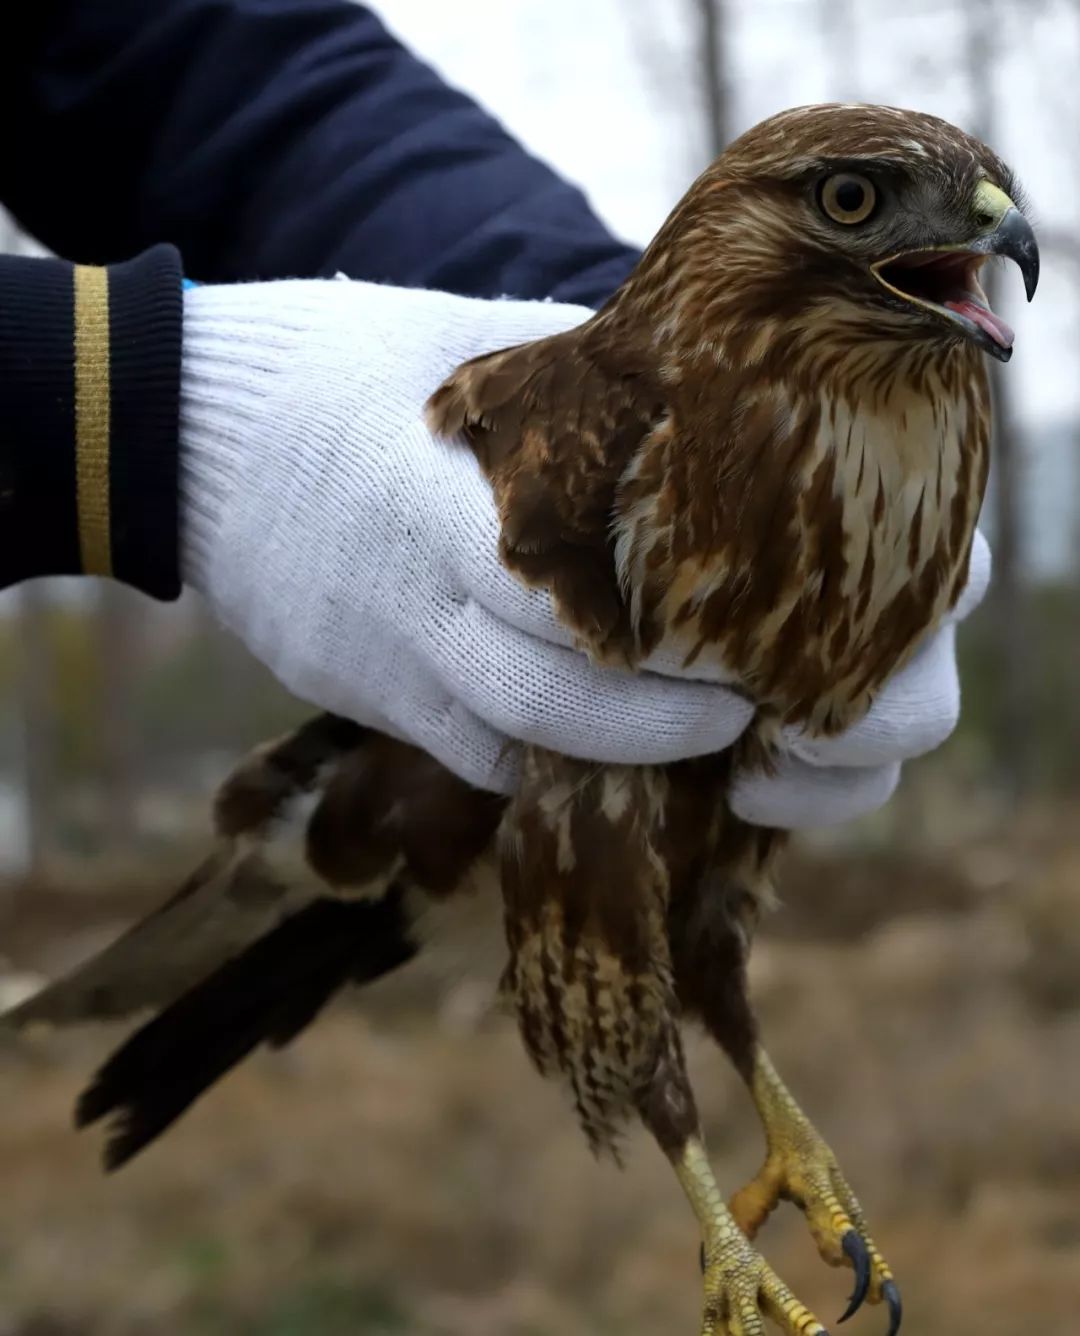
(857,1252)
(891,1295)
(701,1257)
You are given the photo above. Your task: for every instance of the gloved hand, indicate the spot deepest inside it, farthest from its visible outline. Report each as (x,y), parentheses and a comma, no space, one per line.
(357,557)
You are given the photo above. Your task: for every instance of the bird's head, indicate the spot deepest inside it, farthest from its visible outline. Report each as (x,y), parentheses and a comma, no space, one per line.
(842,226)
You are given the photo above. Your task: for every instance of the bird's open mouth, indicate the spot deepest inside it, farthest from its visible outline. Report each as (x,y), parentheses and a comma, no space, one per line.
(947,281)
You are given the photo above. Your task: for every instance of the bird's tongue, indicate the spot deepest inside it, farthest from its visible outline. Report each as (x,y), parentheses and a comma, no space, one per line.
(982,316)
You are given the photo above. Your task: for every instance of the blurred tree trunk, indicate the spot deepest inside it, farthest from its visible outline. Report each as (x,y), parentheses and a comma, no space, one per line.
(1064,246)
(116,637)
(712,45)
(36,692)
(1007,600)
(1073,705)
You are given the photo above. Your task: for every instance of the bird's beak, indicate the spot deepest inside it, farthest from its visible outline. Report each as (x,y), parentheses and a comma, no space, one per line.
(945,279)
(1009,234)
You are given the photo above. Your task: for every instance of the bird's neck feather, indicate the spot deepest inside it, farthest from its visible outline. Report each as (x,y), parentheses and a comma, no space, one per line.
(837,530)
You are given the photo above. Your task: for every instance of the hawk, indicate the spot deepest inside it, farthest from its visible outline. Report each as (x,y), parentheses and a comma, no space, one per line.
(767,452)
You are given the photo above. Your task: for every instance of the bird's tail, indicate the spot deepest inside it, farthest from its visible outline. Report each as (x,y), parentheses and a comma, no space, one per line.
(268,993)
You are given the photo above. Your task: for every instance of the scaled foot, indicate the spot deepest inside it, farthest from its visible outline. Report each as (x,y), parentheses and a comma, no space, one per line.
(799,1167)
(741,1289)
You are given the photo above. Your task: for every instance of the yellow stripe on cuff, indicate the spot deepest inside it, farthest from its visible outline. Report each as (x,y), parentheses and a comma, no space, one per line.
(92,417)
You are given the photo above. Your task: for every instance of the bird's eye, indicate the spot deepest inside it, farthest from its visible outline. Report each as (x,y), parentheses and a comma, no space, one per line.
(848,198)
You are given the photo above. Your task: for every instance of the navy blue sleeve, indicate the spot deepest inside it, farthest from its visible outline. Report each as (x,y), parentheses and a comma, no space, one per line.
(279,137)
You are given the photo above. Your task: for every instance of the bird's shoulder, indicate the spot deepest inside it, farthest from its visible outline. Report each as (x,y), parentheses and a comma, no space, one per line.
(556,424)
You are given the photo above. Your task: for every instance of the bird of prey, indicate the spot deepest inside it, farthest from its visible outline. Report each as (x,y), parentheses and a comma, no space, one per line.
(766,452)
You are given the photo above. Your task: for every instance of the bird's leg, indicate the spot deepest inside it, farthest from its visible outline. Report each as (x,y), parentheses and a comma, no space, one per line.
(590,977)
(711,928)
(741,1289)
(799,1167)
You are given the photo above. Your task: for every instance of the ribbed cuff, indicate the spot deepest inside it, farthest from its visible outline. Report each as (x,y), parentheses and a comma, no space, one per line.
(89,404)
(145,317)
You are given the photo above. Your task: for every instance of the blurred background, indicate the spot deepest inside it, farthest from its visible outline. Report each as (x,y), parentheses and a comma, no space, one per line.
(401,1169)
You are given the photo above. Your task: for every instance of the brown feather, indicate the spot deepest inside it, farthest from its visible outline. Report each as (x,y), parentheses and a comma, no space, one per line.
(555,424)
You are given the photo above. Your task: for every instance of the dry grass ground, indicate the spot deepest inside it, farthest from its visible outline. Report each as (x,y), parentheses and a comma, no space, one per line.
(402,1170)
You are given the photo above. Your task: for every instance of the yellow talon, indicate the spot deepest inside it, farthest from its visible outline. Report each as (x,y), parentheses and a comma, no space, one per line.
(799,1167)
(741,1289)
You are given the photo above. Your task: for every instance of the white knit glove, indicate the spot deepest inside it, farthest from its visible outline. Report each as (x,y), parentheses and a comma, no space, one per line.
(357,557)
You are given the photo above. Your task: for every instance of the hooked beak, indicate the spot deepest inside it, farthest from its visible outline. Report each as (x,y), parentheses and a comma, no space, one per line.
(945,279)
(1014,239)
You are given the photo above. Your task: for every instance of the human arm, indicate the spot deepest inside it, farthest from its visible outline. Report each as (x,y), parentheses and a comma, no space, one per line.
(281,467)
(270,138)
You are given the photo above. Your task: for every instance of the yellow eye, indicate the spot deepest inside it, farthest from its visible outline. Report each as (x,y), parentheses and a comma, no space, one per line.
(848,198)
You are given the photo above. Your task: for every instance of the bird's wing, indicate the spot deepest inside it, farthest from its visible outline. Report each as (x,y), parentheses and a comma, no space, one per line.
(230,900)
(605,476)
(556,425)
